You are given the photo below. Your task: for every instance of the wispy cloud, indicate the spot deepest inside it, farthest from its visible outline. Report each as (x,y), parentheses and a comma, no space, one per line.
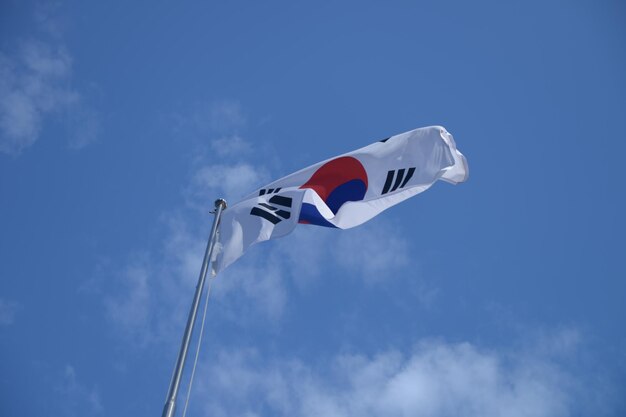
(84,126)
(49,19)
(146,299)
(8,310)
(374,252)
(255,291)
(231,146)
(231,181)
(434,379)
(31,86)
(132,306)
(35,84)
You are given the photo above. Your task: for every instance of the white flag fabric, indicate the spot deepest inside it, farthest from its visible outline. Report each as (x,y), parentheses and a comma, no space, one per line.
(341,192)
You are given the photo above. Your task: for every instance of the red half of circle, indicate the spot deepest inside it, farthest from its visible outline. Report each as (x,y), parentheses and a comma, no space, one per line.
(335,173)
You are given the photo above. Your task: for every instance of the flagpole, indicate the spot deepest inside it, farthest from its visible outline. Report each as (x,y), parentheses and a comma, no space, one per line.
(170,403)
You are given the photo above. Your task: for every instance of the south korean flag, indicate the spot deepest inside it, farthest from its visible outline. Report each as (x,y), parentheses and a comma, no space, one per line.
(342,192)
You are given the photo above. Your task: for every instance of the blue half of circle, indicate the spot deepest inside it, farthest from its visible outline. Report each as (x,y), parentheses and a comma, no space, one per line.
(353,190)
(309,214)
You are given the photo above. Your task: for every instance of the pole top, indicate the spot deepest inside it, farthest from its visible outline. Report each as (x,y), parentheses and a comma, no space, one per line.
(220,202)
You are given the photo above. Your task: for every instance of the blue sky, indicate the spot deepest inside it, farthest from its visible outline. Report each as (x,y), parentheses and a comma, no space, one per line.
(121,123)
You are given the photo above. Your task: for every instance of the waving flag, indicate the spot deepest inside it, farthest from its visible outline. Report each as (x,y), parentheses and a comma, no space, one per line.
(341,192)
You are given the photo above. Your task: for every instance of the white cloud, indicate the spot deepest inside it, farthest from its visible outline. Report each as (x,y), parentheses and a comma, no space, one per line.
(373,251)
(33,85)
(151,295)
(232,181)
(44,62)
(231,146)
(50,19)
(223,116)
(305,253)
(374,254)
(435,379)
(8,309)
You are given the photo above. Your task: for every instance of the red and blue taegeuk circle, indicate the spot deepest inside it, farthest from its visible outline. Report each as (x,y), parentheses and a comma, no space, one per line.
(338,181)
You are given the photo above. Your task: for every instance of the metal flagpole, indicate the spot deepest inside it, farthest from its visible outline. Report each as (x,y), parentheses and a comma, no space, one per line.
(170,403)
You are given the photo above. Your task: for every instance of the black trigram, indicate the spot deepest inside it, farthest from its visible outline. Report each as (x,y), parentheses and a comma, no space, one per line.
(264,191)
(271,213)
(400,179)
